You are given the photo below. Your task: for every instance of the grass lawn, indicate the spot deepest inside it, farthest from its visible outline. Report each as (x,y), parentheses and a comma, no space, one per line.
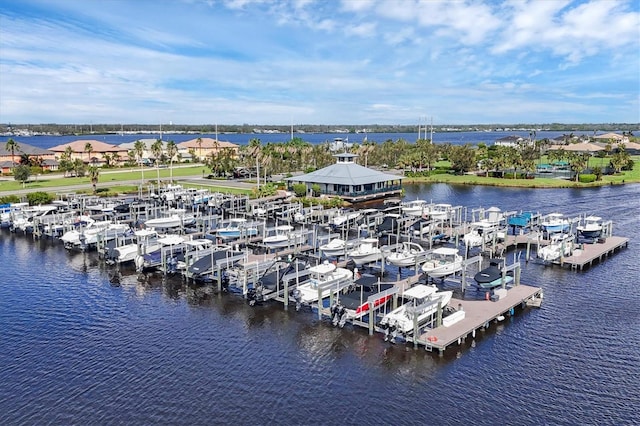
(631,176)
(107,176)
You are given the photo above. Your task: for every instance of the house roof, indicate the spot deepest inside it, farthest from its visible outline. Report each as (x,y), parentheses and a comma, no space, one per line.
(24,148)
(345,174)
(511,138)
(147,144)
(78,146)
(206,143)
(578,147)
(610,136)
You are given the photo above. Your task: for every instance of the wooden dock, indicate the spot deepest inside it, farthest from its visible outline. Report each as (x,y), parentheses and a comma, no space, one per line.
(478,314)
(596,252)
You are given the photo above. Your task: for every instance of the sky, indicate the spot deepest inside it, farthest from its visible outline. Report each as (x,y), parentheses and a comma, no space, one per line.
(319,62)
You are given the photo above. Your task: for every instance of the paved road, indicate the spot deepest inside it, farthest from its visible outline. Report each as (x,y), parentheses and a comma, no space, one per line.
(62,189)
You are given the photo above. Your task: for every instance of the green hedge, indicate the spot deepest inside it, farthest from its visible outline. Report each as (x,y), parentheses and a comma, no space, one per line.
(587,178)
(36,198)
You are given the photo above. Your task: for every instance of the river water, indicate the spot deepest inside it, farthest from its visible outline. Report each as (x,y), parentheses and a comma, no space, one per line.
(455,138)
(82,344)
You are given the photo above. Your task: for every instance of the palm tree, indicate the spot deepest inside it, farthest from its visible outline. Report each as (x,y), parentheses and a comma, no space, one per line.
(156,150)
(12,146)
(88,148)
(199,143)
(138,149)
(172,150)
(94,173)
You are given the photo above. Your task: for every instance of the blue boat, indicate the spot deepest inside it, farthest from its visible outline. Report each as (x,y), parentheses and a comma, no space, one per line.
(491,276)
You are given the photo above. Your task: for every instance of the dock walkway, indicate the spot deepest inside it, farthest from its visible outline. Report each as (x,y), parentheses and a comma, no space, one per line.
(478,314)
(590,253)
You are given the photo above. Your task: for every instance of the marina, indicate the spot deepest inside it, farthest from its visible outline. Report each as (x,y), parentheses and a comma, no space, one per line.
(254,301)
(304,264)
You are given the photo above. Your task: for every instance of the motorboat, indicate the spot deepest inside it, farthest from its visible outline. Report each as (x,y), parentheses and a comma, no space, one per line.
(221,256)
(482,232)
(285,236)
(344,219)
(555,222)
(422,304)
(406,255)
(94,231)
(492,276)
(592,227)
(146,240)
(24,219)
(174,219)
(325,279)
(335,247)
(560,245)
(366,251)
(415,207)
(442,261)
(194,250)
(236,228)
(283,275)
(166,251)
(354,302)
(440,212)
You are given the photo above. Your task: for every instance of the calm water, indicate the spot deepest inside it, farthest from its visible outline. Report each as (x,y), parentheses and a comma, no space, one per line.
(83,345)
(456,138)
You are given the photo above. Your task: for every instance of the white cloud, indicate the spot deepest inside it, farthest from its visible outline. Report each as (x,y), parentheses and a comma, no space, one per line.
(266,61)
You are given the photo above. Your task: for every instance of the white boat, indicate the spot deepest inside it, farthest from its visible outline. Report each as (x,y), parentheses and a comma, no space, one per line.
(335,247)
(366,251)
(439,212)
(555,222)
(482,232)
(442,261)
(90,234)
(415,207)
(406,256)
(345,219)
(422,303)
(561,244)
(285,236)
(325,274)
(151,256)
(592,227)
(236,228)
(146,241)
(174,219)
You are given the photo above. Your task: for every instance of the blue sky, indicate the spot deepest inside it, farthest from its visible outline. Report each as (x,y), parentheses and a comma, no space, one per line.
(319,62)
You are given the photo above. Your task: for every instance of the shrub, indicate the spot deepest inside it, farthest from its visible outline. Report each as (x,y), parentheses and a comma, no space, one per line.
(300,189)
(315,188)
(587,178)
(8,199)
(35,198)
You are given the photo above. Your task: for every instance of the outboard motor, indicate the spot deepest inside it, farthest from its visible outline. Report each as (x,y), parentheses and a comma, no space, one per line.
(338,315)
(297,296)
(172,265)
(254,294)
(390,333)
(225,282)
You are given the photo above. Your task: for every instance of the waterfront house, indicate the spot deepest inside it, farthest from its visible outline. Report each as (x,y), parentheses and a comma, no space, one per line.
(204,147)
(350,181)
(44,157)
(95,156)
